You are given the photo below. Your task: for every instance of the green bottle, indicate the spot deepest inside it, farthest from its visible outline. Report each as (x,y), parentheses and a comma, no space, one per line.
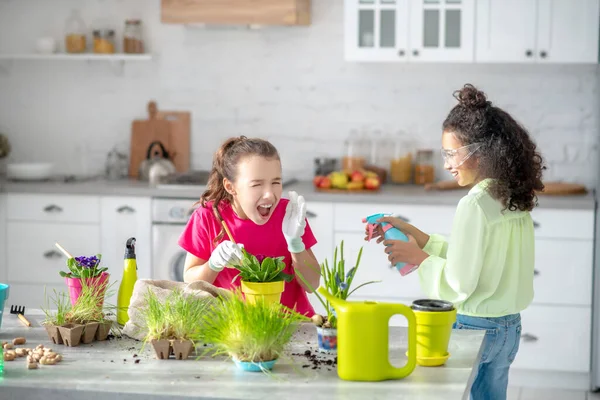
(127,282)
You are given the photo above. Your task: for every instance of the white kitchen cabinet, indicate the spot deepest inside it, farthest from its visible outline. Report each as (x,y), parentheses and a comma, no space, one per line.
(34,223)
(555,339)
(540,31)
(403,30)
(442,30)
(122,218)
(320,219)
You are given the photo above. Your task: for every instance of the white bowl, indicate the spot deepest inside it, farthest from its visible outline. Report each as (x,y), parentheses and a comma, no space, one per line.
(29,171)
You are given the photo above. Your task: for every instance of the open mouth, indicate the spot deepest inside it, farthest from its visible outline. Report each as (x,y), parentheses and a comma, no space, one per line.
(265,209)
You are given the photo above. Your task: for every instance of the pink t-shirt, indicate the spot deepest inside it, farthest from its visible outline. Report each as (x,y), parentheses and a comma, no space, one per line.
(260,240)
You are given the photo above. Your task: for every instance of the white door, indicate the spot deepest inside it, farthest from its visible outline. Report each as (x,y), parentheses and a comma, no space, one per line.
(568,31)
(167,257)
(376,30)
(442,30)
(122,218)
(506,31)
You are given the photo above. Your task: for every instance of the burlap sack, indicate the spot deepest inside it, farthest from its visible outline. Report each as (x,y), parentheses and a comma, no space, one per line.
(135,327)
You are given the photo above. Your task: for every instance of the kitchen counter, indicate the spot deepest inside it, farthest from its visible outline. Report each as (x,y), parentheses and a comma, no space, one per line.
(108,370)
(389,194)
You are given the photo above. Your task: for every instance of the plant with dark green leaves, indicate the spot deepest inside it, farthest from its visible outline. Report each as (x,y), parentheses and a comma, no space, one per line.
(337,280)
(270,269)
(84,267)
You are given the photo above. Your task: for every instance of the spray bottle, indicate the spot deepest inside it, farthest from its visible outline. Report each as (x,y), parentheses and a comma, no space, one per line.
(389,233)
(127,282)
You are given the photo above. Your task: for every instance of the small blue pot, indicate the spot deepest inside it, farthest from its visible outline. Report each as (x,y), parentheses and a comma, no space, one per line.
(254,366)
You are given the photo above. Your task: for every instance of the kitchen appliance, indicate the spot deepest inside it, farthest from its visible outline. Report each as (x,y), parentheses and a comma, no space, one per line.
(169,217)
(157,163)
(363,339)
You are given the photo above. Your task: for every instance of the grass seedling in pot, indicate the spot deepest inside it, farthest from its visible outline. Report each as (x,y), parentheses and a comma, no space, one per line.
(176,322)
(53,320)
(254,335)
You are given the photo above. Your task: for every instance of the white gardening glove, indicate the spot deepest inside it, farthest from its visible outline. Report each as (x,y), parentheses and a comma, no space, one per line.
(225,254)
(294,223)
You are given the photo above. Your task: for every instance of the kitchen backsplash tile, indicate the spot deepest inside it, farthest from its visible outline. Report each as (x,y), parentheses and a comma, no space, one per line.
(290,85)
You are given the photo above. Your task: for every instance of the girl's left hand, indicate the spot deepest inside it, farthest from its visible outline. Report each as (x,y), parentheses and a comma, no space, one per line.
(294,223)
(407,252)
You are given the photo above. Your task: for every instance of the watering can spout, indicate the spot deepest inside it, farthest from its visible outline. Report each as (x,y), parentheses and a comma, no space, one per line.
(334,301)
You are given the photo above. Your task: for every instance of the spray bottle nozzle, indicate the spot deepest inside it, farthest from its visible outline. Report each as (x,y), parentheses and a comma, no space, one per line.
(130,248)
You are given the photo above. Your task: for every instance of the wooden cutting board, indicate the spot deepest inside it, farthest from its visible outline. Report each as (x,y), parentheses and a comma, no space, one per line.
(179,138)
(143,133)
(550,188)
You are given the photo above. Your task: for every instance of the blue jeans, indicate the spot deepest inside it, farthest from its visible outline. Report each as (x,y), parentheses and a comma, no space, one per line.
(500,346)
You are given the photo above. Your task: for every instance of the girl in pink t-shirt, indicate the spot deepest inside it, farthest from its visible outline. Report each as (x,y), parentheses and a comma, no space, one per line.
(245,184)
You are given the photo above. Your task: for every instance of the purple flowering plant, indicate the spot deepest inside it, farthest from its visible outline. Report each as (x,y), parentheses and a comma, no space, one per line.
(84,267)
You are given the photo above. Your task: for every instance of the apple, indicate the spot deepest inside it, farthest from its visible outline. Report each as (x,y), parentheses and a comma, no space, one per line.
(372,183)
(317,180)
(325,183)
(357,176)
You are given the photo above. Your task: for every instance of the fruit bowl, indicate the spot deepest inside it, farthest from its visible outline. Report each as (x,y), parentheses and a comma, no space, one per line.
(348,182)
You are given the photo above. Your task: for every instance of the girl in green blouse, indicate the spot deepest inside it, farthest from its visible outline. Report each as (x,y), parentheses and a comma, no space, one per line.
(486,269)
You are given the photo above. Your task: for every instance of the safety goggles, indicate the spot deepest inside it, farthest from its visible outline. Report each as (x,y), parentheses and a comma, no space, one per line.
(457,157)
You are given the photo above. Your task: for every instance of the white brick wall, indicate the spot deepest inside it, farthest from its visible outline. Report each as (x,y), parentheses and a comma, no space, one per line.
(290,85)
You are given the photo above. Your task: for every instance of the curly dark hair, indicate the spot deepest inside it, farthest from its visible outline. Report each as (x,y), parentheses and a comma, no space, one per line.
(508,154)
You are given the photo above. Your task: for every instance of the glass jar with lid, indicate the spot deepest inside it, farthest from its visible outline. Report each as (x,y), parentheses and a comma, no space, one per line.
(356,151)
(75,33)
(401,162)
(133,42)
(104,41)
(424,168)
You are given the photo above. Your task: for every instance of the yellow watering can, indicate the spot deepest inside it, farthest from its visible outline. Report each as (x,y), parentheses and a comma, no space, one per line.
(363,339)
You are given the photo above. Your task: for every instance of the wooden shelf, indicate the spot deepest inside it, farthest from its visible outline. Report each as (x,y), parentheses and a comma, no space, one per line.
(78,57)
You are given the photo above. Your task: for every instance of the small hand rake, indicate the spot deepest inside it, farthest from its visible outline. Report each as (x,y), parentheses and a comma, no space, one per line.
(19,311)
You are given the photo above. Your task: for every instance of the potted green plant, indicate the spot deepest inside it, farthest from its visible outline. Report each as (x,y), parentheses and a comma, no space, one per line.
(337,280)
(254,334)
(262,279)
(173,324)
(57,318)
(88,269)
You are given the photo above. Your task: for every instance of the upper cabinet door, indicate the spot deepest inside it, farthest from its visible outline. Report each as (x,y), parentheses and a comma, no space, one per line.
(442,30)
(568,31)
(376,30)
(506,31)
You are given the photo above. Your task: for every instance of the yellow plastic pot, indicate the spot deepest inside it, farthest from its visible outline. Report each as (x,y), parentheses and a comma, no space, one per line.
(270,292)
(433,334)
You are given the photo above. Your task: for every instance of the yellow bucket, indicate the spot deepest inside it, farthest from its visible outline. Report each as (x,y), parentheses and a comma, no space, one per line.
(270,292)
(433,333)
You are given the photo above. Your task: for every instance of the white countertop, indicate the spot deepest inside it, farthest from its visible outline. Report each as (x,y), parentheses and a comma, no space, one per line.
(389,194)
(107,370)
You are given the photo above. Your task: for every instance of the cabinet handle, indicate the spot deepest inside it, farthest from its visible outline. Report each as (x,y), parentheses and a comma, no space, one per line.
(529,53)
(536,272)
(310,214)
(536,225)
(543,54)
(401,53)
(528,337)
(52,254)
(125,209)
(52,208)
(415,52)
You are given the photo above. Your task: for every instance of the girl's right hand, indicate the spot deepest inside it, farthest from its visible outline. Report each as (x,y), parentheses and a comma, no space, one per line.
(226,254)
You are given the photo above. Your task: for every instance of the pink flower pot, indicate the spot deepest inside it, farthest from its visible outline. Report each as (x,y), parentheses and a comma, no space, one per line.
(100,282)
